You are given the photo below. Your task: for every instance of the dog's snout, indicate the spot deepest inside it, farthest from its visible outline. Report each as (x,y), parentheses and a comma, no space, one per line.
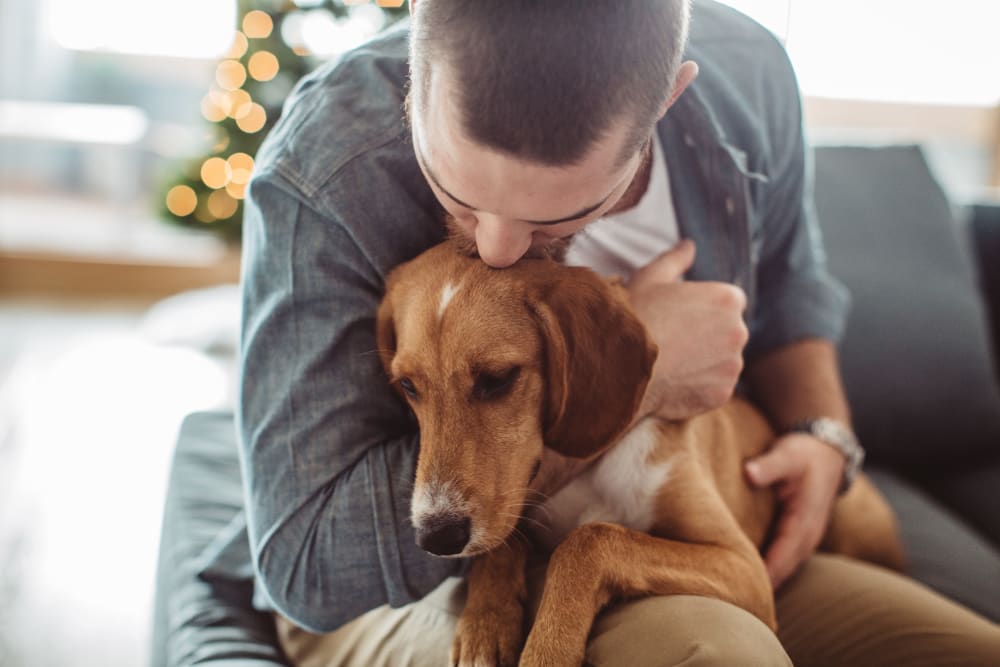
(446,536)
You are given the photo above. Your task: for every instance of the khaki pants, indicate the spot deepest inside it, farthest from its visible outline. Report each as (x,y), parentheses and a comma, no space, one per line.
(835,612)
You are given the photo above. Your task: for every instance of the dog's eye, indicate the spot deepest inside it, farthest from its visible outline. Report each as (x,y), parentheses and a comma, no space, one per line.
(407,386)
(490,386)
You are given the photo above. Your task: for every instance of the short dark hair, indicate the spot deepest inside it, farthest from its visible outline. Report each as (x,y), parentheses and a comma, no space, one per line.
(544,80)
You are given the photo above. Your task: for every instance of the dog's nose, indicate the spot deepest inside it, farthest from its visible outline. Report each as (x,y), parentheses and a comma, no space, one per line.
(444,537)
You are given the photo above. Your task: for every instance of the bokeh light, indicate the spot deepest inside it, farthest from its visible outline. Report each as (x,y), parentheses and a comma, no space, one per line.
(222,205)
(254,120)
(263,66)
(240,103)
(230,74)
(213,106)
(239,46)
(181,200)
(215,172)
(203,213)
(240,166)
(257,24)
(236,190)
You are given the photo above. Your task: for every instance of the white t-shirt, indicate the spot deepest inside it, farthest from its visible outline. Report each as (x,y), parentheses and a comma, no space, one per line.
(621,243)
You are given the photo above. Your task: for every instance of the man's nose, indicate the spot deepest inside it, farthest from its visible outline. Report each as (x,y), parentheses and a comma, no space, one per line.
(501,242)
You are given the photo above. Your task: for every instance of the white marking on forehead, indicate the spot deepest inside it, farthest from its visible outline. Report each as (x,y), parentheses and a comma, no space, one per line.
(436,499)
(447,294)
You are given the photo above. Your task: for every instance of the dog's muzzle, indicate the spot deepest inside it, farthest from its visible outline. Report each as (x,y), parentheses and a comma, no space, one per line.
(444,536)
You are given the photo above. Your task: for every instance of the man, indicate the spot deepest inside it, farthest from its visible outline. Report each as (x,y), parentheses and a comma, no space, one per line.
(531,122)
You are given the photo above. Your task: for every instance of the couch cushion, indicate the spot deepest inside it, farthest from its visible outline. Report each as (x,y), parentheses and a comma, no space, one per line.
(916,356)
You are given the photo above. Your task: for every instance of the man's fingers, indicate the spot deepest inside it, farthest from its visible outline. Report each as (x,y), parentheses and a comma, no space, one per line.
(782,558)
(796,538)
(791,546)
(668,267)
(770,467)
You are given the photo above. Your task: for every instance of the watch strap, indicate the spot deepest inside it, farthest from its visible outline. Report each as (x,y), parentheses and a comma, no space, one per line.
(839,436)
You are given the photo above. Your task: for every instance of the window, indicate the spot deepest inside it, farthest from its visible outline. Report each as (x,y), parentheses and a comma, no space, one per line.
(891,50)
(180,28)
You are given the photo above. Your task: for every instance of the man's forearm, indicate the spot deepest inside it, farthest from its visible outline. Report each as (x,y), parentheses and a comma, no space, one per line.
(797,382)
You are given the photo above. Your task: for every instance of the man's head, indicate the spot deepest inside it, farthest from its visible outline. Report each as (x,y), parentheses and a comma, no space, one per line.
(533,118)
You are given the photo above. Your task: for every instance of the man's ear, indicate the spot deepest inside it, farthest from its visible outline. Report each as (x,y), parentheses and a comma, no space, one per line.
(598,359)
(686,74)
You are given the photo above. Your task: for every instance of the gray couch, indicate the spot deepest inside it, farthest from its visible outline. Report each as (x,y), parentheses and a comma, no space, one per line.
(917,366)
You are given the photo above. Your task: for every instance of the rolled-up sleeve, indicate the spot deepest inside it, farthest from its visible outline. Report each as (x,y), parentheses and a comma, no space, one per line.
(328,452)
(796,296)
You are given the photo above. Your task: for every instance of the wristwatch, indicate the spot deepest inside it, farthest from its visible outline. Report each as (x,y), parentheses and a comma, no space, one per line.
(839,436)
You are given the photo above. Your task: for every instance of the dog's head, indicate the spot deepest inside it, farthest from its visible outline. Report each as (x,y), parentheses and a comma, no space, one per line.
(497,364)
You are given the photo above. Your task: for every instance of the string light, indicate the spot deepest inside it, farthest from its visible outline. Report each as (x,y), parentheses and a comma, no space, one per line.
(203,213)
(215,172)
(221,205)
(236,190)
(239,46)
(257,24)
(230,74)
(263,66)
(217,185)
(240,103)
(181,200)
(240,166)
(211,107)
(254,120)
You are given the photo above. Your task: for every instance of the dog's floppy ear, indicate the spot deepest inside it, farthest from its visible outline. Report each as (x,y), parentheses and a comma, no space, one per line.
(385,332)
(598,359)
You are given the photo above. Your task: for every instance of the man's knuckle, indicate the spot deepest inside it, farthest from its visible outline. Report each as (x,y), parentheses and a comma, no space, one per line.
(744,333)
(732,369)
(718,395)
(730,297)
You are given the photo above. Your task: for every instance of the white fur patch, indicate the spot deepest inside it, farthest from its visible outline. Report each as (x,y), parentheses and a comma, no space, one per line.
(447,294)
(621,488)
(434,500)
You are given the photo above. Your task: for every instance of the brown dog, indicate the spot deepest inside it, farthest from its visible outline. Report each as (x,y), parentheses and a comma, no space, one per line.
(496,365)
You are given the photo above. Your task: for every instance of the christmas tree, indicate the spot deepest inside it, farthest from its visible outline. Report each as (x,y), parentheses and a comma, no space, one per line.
(276,43)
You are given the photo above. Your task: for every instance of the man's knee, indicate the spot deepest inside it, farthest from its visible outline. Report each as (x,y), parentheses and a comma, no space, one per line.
(671,630)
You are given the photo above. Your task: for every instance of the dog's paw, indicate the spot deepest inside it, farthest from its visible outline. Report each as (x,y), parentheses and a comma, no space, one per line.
(537,654)
(488,637)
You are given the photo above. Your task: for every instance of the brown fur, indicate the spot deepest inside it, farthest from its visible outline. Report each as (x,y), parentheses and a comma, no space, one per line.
(585,360)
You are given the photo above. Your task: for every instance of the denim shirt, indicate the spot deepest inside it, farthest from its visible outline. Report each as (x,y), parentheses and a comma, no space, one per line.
(328,452)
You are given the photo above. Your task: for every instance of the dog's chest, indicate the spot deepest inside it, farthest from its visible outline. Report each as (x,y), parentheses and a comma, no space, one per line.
(622,487)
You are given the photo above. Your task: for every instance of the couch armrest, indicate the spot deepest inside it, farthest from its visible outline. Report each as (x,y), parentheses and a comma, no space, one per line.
(201,615)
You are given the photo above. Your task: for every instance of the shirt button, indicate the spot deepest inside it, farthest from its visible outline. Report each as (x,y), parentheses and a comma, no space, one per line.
(688,140)
(730,205)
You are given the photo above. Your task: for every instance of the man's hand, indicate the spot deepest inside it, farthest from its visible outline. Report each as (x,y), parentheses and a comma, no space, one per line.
(699,329)
(806,474)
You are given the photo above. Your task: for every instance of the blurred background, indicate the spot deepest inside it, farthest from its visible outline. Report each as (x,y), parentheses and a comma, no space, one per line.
(127,135)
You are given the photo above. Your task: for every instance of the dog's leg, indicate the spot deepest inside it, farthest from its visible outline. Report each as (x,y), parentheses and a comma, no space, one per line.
(599,562)
(863,526)
(491,628)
